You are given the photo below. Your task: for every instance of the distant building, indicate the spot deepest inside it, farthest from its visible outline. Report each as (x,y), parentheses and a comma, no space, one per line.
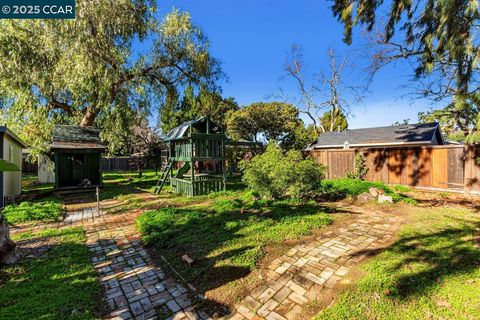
(422,134)
(11,154)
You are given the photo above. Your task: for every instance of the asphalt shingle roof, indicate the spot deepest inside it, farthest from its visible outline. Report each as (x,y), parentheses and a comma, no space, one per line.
(421,133)
(76,137)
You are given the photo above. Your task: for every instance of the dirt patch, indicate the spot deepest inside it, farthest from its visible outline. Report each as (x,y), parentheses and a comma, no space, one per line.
(35,247)
(445,199)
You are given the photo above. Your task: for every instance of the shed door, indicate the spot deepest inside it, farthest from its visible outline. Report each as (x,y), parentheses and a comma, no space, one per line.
(93,168)
(78,168)
(65,170)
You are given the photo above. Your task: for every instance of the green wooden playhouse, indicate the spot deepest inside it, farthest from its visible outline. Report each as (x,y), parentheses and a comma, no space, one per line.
(77,155)
(196,162)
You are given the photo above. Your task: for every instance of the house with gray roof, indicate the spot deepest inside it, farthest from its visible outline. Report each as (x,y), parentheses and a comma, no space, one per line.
(421,134)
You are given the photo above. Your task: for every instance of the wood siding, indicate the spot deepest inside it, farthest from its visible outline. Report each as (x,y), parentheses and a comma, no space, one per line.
(441,167)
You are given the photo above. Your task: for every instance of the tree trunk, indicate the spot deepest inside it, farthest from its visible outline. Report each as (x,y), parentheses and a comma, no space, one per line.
(88,117)
(8,253)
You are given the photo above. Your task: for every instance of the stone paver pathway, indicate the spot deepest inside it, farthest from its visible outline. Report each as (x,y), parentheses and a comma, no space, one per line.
(134,286)
(308,271)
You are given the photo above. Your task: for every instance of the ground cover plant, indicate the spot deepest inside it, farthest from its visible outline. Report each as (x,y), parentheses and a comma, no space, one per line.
(336,189)
(59,283)
(431,272)
(226,237)
(46,210)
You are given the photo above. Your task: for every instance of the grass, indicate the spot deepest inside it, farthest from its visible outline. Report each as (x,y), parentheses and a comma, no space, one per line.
(61,284)
(226,237)
(46,210)
(29,184)
(121,183)
(336,189)
(431,272)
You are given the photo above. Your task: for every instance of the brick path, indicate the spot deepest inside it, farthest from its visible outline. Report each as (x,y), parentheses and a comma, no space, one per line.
(308,271)
(135,286)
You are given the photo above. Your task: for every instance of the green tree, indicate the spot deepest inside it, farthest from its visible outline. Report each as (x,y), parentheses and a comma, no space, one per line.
(269,121)
(333,120)
(193,106)
(456,124)
(300,138)
(86,68)
(439,38)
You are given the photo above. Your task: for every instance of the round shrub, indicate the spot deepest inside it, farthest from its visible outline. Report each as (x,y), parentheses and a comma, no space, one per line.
(275,174)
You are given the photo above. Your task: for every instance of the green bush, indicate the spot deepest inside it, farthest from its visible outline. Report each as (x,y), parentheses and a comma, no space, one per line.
(360,168)
(26,211)
(275,174)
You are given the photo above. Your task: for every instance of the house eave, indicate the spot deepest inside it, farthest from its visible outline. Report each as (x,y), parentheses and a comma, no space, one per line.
(372,145)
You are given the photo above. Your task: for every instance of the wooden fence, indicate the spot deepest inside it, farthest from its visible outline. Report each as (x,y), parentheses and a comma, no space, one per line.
(452,167)
(126,163)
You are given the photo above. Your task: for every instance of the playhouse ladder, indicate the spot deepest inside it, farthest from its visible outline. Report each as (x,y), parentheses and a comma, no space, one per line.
(163,176)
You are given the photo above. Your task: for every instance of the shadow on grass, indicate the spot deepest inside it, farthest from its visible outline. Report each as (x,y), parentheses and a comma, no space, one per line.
(56,282)
(424,260)
(227,239)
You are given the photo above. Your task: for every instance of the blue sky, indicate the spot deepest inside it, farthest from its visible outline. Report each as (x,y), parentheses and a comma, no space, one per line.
(252,39)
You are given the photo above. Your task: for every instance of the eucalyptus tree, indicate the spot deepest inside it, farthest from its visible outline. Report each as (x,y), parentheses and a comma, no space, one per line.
(114,58)
(438,38)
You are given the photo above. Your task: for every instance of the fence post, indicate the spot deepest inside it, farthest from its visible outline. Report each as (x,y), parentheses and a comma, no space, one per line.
(98,199)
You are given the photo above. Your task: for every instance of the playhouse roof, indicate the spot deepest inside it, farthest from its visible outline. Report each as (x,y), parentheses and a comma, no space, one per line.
(179,131)
(76,137)
(411,134)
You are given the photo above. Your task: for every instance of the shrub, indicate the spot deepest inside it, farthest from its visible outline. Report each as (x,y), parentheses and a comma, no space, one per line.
(275,174)
(360,169)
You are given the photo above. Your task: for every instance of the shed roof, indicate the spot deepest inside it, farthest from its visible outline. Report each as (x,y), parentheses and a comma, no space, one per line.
(413,134)
(76,137)
(12,135)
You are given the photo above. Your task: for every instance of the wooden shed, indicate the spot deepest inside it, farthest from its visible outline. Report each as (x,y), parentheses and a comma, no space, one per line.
(77,156)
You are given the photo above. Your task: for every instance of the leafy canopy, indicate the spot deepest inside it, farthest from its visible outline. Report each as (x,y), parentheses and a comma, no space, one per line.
(176,111)
(271,121)
(440,40)
(85,71)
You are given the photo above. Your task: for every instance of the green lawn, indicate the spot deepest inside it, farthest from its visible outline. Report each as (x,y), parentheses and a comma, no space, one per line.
(121,183)
(61,284)
(335,189)
(46,210)
(29,185)
(431,272)
(227,234)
